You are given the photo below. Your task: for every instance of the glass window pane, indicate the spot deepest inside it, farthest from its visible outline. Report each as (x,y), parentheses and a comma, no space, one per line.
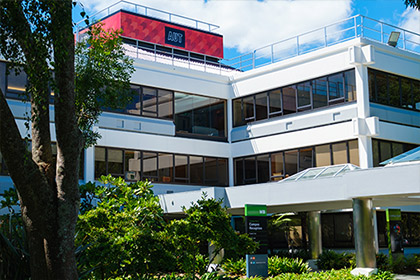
(201,115)
(132,165)
(305,159)
(149,102)
(183,112)
(289,100)
(165,167)
(406,96)
(210,171)
(196,170)
(375,152)
(397,149)
(16,84)
(277,168)
(322,155)
(115,162)
(181,168)
(354,152)
(290,160)
(319,90)
(100,164)
(275,102)
(150,166)
(382,87)
(239,171)
(394,90)
(217,118)
(237,113)
(385,148)
(416,94)
(350,80)
(372,85)
(336,86)
(248,105)
(339,151)
(250,170)
(134,106)
(223,171)
(263,162)
(304,96)
(165,106)
(261,106)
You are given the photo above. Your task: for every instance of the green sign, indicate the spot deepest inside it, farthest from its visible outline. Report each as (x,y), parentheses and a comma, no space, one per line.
(393,215)
(255,210)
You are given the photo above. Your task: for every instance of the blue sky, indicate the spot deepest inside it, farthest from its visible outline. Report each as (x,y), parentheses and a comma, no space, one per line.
(250,24)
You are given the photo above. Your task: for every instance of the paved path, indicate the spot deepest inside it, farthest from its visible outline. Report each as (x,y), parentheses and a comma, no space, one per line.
(406,277)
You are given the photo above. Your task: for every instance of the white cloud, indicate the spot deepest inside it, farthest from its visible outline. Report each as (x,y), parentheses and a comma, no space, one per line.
(411,21)
(250,24)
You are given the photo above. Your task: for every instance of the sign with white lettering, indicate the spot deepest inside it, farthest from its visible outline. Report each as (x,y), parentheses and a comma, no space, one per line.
(174,37)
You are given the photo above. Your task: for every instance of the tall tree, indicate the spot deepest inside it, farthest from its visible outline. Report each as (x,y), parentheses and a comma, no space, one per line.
(413,3)
(36,37)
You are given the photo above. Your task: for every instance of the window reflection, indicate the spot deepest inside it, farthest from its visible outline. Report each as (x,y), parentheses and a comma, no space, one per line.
(308,95)
(16,84)
(200,115)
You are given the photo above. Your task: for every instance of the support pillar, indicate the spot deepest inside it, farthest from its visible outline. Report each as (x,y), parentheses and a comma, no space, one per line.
(315,238)
(364,236)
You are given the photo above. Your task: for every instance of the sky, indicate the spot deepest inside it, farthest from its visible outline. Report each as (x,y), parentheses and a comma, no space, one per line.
(249,24)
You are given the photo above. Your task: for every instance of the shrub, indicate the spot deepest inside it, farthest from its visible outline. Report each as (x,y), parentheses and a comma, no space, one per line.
(332,275)
(297,253)
(278,265)
(333,260)
(234,267)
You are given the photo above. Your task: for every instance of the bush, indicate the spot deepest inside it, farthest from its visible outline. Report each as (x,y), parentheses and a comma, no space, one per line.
(234,267)
(332,275)
(333,260)
(297,253)
(278,265)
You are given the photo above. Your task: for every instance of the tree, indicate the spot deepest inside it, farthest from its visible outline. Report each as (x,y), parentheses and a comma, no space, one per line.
(37,37)
(413,3)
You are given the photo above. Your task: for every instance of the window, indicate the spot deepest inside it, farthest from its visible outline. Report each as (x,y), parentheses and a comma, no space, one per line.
(149,102)
(307,95)
(305,158)
(393,90)
(323,155)
(150,168)
(100,162)
(132,165)
(196,170)
(115,162)
(304,96)
(339,152)
(384,150)
(181,168)
(261,106)
(277,167)
(263,165)
(290,162)
(210,171)
(165,162)
(200,115)
(16,84)
(319,88)
(250,170)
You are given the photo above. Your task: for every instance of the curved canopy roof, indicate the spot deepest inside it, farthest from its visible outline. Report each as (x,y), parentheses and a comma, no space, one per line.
(410,156)
(321,172)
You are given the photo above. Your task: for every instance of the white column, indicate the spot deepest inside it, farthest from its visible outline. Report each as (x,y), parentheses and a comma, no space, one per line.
(363,112)
(90,164)
(229,123)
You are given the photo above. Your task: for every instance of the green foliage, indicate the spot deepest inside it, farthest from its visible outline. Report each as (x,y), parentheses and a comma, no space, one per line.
(14,256)
(297,253)
(206,222)
(124,230)
(234,267)
(332,275)
(102,79)
(382,262)
(278,265)
(332,260)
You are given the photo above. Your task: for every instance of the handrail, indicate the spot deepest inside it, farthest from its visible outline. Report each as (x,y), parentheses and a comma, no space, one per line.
(198,24)
(357,26)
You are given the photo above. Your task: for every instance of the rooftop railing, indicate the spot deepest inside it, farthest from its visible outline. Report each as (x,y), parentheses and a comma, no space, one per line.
(151,12)
(354,27)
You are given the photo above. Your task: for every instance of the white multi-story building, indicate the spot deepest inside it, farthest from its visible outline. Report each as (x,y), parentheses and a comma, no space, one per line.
(340,94)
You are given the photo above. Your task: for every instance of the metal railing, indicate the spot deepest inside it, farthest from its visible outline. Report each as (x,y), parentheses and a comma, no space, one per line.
(174,57)
(151,12)
(354,27)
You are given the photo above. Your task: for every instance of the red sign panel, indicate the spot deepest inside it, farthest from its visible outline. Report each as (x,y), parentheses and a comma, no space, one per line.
(163,33)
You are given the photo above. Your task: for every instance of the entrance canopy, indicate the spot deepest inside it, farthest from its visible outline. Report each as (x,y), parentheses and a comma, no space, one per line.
(325,188)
